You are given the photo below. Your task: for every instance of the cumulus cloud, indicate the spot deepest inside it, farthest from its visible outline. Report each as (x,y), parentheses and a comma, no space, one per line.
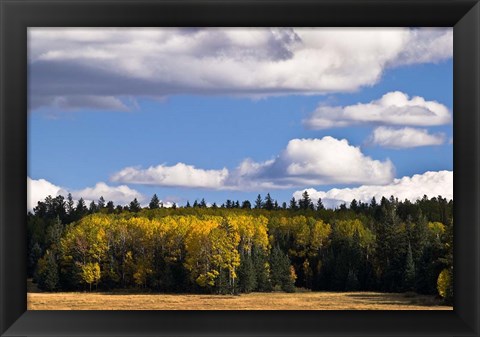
(430,183)
(74,64)
(39,189)
(393,108)
(118,194)
(404,137)
(303,161)
(179,175)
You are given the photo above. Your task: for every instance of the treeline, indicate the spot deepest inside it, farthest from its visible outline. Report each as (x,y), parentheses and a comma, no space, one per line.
(392,246)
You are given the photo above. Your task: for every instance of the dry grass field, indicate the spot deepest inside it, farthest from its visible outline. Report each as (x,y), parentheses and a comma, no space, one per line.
(254,301)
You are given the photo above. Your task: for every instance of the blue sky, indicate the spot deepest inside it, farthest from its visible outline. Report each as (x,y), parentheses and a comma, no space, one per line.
(87,126)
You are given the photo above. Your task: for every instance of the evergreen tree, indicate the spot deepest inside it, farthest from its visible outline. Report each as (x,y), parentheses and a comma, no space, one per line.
(258,202)
(134,206)
(47,273)
(81,209)
(154,202)
(35,253)
(246,274)
(409,270)
(110,207)
(92,208)
(320,205)
(305,203)
(187,205)
(101,203)
(54,234)
(246,204)
(354,205)
(280,270)
(268,205)
(203,203)
(262,269)
(70,206)
(293,204)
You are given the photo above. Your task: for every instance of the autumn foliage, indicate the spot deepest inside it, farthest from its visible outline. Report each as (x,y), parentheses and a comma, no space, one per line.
(392,246)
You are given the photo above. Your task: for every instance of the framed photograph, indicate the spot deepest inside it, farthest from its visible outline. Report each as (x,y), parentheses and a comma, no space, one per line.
(239,168)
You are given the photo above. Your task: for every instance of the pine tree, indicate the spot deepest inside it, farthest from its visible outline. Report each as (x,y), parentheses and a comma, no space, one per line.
(154,202)
(92,208)
(81,209)
(258,202)
(305,203)
(101,203)
(268,205)
(262,269)
(246,274)
(134,206)
(110,207)
(281,274)
(293,204)
(47,272)
(54,234)
(354,205)
(320,204)
(70,205)
(246,204)
(409,270)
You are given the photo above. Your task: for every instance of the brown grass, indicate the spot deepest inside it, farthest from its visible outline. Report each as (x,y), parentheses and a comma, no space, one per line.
(254,301)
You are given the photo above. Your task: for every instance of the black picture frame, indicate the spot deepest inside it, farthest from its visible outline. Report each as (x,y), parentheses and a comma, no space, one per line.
(17,15)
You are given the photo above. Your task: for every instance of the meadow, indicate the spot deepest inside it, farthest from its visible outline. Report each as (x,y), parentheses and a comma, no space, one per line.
(251,301)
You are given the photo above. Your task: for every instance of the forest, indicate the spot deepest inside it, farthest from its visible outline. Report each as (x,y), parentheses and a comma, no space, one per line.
(240,247)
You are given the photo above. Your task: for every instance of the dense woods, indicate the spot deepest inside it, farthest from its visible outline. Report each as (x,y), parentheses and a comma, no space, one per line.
(240,247)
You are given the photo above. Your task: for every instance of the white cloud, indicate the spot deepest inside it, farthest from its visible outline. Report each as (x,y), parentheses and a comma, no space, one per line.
(118,194)
(430,183)
(329,161)
(405,137)
(38,190)
(302,162)
(156,62)
(393,108)
(179,175)
(426,45)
